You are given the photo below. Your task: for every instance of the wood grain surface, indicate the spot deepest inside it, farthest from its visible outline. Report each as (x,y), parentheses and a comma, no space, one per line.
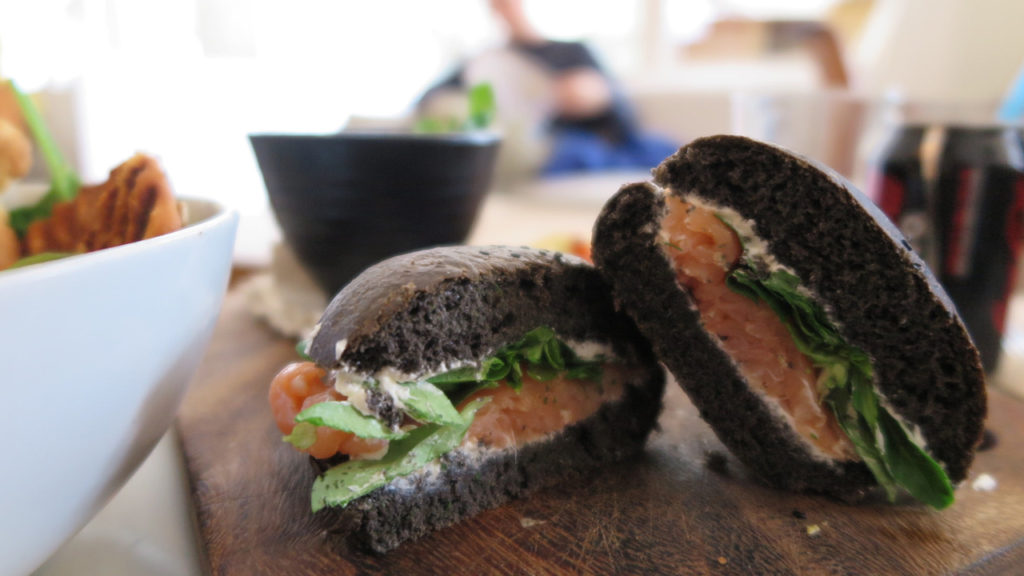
(684,506)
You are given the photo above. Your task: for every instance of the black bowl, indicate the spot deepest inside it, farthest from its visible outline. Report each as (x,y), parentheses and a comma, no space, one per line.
(346,201)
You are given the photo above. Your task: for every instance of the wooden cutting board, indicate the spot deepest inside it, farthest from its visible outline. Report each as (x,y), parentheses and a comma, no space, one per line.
(683,506)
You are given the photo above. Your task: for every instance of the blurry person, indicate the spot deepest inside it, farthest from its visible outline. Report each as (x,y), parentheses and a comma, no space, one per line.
(558,109)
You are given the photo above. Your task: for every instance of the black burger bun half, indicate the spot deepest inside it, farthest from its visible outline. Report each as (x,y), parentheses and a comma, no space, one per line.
(443,307)
(856,265)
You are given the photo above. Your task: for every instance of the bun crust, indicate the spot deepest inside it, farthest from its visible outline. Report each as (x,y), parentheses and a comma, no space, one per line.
(424,310)
(882,297)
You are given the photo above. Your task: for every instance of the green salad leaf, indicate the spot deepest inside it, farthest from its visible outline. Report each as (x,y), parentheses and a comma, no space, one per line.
(544,355)
(482,108)
(431,401)
(847,388)
(912,468)
(303,436)
(492,369)
(346,417)
(300,348)
(350,480)
(64,182)
(39,258)
(427,403)
(539,354)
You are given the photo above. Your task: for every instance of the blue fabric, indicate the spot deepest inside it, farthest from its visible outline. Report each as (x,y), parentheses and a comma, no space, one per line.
(1012,109)
(581,151)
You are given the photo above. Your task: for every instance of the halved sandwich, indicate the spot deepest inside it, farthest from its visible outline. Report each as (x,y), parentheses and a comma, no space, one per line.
(445,382)
(815,343)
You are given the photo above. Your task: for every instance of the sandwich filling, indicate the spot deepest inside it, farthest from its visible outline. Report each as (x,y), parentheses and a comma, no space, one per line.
(394,427)
(786,348)
(704,250)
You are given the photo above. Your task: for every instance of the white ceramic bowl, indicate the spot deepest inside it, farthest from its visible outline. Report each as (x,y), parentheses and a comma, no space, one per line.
(96,352)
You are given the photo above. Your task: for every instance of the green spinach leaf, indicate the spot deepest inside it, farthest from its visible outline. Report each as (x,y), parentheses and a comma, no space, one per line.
(544,354)
(344,416)
(350,480)
(301,347)
(428,404)
(847,387)
(539,353)
(303,436)
(64,182)
(913,468)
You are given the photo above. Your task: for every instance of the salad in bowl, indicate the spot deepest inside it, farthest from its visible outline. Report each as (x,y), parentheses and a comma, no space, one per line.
(108,299)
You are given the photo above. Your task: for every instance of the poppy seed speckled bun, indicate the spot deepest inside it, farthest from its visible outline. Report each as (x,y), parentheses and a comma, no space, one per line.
(852,261)
(427,311)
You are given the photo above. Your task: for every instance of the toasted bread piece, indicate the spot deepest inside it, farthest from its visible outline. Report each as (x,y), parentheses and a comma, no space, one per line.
(134,204)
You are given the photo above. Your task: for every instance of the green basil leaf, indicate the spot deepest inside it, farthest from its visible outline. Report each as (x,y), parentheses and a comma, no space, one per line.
(301,347)
(541,351)
(912,467)
(515,376)
(350,480)
(462,375)
(531,347)
(346,417)
(541,372)
(303,436)
(865,402)
(589,371)
(493,368)
(467,391)
(863,438)
(444,440)
(496,368)
(428,404)
(847,385)
(553,354)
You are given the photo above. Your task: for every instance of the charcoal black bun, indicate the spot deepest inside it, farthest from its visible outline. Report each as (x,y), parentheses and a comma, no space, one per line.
(428,309)
(852,259)
(424,310)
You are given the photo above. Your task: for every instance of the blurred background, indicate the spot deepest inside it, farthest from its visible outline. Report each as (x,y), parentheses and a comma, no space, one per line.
(187,80)
(588,94)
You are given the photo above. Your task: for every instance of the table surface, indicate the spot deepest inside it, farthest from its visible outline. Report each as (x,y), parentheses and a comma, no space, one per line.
(683,506)
(147,527)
